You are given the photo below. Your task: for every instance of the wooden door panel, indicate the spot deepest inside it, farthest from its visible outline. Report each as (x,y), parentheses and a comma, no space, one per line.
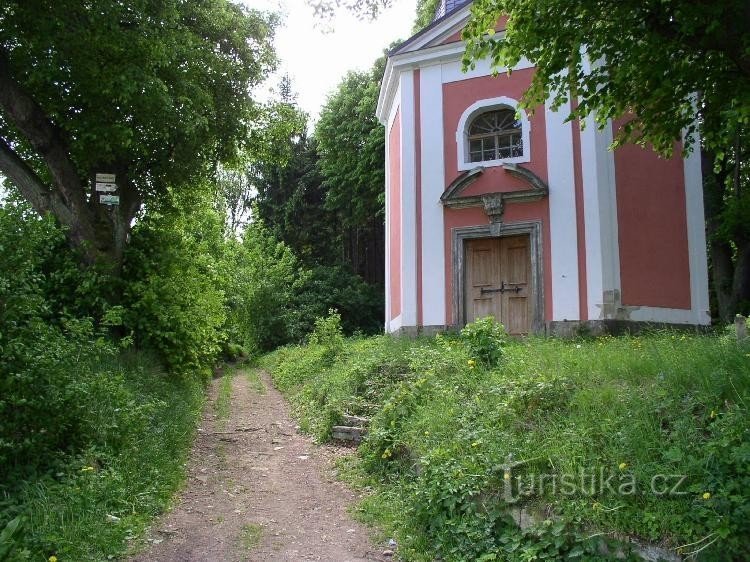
(516,272)
(502,268)
(482,308)
(517,322)
(518,259)
(482,272)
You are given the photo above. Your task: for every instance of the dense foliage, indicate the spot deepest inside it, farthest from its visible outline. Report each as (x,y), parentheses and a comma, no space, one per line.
(351,148)
(83,429)
(653,61)
(88,418)
(592,438)
(155,92)
(322,195)
(425,13)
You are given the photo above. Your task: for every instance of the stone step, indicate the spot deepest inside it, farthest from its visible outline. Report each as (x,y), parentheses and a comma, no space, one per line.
(346,433)
(354,421)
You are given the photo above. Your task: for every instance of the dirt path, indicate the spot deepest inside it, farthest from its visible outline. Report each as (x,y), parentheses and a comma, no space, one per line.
(257,489)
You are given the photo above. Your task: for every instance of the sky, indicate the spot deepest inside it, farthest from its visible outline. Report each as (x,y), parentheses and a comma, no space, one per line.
(317,54)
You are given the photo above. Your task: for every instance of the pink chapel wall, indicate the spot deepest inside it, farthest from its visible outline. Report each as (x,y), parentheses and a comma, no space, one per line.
(457,96)
(652,225)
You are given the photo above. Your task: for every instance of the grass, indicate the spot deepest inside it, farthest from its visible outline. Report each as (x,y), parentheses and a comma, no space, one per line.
(96,504)
(250,535)
(253,379)
(223,404)
(447,427)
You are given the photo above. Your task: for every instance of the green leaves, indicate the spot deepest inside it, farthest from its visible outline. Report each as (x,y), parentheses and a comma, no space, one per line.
(157,91)
(351,145)
(648,60)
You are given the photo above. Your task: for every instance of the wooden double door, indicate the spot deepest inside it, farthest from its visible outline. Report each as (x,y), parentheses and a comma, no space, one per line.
(498,281)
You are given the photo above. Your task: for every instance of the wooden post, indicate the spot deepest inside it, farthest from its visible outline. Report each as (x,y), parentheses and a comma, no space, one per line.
(740,326)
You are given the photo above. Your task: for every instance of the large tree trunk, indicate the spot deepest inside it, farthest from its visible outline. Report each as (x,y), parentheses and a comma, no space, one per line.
(99,231)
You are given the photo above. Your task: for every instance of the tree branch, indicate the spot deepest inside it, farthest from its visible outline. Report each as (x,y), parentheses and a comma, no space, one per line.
(46,138)
(24,178)
(31,187)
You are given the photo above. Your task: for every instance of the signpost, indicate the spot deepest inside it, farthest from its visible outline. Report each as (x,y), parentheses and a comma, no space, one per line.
(105,183)
(109,199)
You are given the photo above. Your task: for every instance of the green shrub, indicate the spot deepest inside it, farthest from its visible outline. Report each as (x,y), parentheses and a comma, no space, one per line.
(50,385)
(174,295)
(85,430)
(325,287)
(446,428)
(130,462)
(327,333)
(485,339)
(262,276)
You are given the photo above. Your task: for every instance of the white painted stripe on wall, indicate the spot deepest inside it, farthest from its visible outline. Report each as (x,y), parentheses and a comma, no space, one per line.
(696,238)
(562,210)
(433,183)
(408,203)
(388,288)
(396,324)
(453,70)
(667,315)
(388,227)
(591,219)
(605,168)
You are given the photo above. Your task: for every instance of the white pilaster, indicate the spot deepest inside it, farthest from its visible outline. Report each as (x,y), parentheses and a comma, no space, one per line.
(562,210)
(696,237)
(591,220)
(433,183)
(408,202)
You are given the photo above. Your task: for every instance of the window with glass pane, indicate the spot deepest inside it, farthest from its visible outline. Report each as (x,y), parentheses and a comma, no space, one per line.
(495,135)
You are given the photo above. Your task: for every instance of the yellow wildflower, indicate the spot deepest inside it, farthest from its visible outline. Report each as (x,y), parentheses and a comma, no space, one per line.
(471,362)
(52,558)
(623,465)
(475,444)
(707,496)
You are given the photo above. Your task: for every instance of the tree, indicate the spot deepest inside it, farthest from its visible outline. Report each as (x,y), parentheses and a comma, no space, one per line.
(661,65)
(155,92)
(362,8)
(425,13)
(271,145)
(653,61)
(351,144)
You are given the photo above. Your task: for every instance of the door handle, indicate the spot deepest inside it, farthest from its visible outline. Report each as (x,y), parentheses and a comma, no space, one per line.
(503,289)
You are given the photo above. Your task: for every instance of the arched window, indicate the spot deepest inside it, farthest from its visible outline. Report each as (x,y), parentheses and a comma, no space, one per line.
(493,132)
(495,135)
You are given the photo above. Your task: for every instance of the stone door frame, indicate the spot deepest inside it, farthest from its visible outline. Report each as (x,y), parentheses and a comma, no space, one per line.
(499,230)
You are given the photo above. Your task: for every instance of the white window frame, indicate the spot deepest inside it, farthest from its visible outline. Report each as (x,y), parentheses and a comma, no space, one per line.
(483,106)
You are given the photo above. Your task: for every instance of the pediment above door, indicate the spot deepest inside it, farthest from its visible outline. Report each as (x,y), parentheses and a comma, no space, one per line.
(494,203)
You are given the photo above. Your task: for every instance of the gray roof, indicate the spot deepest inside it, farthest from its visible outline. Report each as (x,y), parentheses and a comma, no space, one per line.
(447,6)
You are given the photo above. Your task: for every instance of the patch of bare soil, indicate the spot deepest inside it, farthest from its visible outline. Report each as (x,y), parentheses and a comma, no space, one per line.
(259,490)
